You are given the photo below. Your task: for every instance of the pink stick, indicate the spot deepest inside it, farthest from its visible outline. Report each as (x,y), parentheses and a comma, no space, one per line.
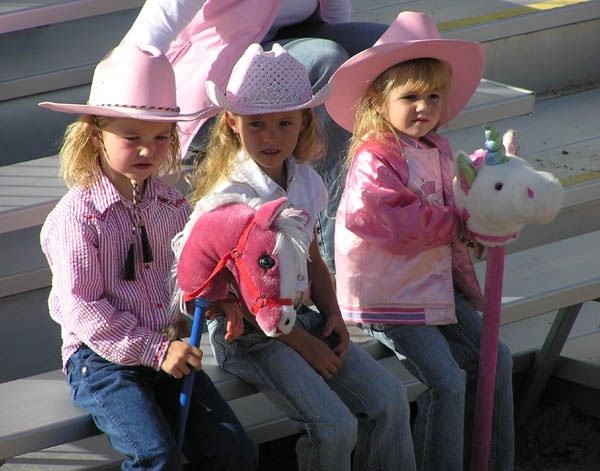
(486,380)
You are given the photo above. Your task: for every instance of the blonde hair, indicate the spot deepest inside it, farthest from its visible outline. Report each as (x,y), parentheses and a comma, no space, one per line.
(79,158)
(215,165)
(416,75)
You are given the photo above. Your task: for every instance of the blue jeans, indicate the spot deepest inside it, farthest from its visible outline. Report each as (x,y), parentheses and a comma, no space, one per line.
(435,355)
(362,408)
(137,406)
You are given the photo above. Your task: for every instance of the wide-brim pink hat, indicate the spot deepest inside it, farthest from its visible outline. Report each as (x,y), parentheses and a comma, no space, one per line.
(266,82)
(132,82)
(411,36)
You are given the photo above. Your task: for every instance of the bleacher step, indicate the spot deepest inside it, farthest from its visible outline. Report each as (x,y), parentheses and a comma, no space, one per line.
(527,44)
(18,16)
(562,136)
(52,57)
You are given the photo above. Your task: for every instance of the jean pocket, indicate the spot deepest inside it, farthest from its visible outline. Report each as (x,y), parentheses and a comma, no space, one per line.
(77,369)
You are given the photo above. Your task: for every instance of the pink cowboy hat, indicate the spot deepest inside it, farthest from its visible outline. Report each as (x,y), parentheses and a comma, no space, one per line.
(411,36)
(266,82)
(132,82)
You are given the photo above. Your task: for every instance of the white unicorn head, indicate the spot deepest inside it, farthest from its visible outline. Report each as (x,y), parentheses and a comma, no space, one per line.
(497,193)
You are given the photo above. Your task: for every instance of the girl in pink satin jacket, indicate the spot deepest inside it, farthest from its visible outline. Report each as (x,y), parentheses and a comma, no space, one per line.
(403,270)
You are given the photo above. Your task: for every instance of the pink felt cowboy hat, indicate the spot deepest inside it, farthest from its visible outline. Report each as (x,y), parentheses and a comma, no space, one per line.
(132,82)
(411,36)
(266,82)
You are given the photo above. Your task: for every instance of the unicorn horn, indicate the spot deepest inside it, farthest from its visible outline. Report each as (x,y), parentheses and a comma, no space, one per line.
(495,152)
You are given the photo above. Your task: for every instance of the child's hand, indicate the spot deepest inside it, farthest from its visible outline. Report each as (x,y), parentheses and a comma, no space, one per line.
(477,248)
(314,351)
(232,311)
(322,358)
(335,325)
(180,358)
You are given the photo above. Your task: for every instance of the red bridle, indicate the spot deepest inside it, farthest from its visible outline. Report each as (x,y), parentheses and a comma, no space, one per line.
(237,255)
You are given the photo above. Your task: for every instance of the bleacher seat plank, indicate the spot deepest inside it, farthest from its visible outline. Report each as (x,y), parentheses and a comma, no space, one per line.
(17,16)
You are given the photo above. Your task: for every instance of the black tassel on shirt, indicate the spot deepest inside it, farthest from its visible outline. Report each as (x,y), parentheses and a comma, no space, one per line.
(129,268)
(147,256)
(137,223)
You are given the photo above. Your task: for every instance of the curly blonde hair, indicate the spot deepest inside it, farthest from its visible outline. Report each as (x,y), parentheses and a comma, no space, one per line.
(215,165)
(417,75)
(79,158)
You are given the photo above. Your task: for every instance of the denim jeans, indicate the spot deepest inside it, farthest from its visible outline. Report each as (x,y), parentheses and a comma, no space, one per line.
(362,408)
(137,406)
(436,355)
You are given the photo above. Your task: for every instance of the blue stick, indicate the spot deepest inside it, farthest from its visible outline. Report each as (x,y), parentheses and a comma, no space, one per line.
(188,382)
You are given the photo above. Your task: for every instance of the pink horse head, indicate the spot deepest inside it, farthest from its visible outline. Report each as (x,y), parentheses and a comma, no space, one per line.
(263,250)
(497,193)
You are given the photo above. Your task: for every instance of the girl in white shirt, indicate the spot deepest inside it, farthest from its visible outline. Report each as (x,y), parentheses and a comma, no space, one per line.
(352,412)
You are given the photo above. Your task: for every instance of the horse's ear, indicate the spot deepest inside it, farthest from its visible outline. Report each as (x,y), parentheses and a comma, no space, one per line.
(511,142)
(465,171)
(269,211)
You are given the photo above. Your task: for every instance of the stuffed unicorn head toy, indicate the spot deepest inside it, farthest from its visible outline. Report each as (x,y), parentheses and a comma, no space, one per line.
(263,248)
(497,193)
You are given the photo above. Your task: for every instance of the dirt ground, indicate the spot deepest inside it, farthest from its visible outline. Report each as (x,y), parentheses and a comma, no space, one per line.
(556,438)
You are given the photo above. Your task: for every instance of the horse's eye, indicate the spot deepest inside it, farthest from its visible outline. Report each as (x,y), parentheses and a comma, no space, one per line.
(266,262)
(498,186)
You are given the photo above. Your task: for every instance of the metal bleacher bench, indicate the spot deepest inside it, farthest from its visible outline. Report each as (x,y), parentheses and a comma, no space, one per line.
(37,411)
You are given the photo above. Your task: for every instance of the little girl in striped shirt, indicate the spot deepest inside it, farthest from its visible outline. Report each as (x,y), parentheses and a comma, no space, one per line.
(108,245)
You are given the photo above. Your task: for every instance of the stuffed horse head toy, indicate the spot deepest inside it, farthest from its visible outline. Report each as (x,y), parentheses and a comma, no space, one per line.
(263,249)
(497,193)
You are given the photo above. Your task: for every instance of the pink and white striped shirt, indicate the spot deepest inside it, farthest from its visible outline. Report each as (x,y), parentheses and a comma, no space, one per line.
(85,239)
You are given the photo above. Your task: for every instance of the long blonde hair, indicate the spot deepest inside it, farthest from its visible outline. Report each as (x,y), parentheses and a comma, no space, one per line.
(215,165)
(416,75)
(79,158)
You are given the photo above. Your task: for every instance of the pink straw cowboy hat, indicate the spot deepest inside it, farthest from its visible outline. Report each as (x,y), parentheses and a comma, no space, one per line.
(411,36)
(132,82)
(266,82)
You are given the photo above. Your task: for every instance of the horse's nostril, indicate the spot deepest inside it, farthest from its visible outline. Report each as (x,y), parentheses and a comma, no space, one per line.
(287,322)
(498,186)
(530,193)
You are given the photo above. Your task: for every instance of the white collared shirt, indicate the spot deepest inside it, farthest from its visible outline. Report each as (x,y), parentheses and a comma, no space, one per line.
(305,188)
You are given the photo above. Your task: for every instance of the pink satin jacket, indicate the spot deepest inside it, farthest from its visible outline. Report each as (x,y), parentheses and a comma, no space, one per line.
(397,254)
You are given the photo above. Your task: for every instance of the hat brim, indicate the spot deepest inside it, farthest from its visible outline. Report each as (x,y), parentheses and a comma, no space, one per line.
(351,80)
(131,113)
(218,98)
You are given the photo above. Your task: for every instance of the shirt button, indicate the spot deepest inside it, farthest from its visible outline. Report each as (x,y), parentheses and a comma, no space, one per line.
(158,305)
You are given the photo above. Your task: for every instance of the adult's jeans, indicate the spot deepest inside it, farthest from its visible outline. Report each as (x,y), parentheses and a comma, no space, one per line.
(136,407)
(435,355)
(362,408)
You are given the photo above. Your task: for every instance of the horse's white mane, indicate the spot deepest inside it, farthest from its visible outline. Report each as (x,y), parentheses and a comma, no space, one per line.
(289,224)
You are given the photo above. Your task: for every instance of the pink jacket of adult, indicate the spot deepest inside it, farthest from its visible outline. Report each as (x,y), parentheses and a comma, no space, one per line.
(212,42)
(396,251)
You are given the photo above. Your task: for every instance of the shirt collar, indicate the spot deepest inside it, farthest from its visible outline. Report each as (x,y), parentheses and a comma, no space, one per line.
(411,142)
(104,194)
(249,172)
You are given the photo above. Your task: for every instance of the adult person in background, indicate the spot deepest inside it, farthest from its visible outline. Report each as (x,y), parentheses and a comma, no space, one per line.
(204,39)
